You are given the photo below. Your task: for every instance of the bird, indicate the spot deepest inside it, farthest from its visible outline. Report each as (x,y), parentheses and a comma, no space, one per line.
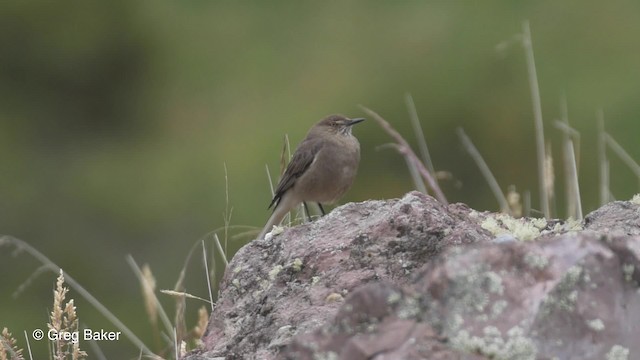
(322,168)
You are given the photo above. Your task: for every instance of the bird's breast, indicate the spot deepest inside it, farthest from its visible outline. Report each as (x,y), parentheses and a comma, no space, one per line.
(332,172)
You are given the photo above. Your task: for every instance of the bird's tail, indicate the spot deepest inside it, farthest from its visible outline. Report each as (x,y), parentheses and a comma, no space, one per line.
(286,203)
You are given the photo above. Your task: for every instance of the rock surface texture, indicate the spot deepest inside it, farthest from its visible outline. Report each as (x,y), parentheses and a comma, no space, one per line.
(414,279)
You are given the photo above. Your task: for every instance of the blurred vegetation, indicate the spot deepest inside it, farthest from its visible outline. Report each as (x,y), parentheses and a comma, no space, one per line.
(117,117)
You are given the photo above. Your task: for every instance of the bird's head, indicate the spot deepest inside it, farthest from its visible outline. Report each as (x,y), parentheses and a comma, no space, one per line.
(337,124)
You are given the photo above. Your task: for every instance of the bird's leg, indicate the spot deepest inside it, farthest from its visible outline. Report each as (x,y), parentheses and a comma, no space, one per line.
(321,209)
(306,210)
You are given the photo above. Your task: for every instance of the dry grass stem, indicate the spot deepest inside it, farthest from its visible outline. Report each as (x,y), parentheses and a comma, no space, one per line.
(159,310)
(285,157)
(484,169)
(273,193)
(571,161)
(203,321)
(180,321)
(148,294)
(537,114)
(216,241)
(602,159)
(623,155)
(403,148)
(26,338)
(515,202)
(417,129)
(227,211)
(527,203)
(206,268)
(183,294)
(418,183)
(549,177)
(151,303)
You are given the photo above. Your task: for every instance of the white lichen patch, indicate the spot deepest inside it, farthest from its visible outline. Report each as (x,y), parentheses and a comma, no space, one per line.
(394,297)
(474,288)
(498,307)
(314,280)
(573,275)
(264,284)
(565,294)
(408,309)
(595,324)
(618,352)
(627,270)
(515,346)
(523,229)
(274,272)
(636,199)
(455,322)
(495,282)
(536,261)
(329,355)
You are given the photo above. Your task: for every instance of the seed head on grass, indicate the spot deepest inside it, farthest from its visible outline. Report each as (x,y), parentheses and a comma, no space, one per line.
(201,326)
(148,294)
(64,320)
(8,347)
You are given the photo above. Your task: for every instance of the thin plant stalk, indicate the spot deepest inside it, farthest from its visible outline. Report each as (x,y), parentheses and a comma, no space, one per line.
(138,272)
(624,156)
(28,345)
(206,268)
(227,212)
(415,176)
(403,148)
(602,159)
(216,241)
(537,114)
(484,169)
(574,204)
(417,129)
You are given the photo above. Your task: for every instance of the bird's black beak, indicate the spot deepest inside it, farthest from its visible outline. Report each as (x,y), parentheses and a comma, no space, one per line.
(354,121)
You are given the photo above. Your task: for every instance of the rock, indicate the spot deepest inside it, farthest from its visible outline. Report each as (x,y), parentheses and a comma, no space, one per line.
(623,217)
(414,279)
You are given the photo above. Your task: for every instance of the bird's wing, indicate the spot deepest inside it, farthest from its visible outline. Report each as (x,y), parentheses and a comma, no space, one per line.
(299,163)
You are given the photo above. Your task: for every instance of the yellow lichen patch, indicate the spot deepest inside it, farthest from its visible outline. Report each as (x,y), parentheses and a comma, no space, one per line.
(333,297)
(523,229)
(274,272)
(296,265)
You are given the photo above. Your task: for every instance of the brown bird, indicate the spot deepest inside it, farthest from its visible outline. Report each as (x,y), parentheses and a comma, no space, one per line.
(321,170)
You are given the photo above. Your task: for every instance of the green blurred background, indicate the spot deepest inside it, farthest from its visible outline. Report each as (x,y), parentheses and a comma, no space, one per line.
(117,117)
